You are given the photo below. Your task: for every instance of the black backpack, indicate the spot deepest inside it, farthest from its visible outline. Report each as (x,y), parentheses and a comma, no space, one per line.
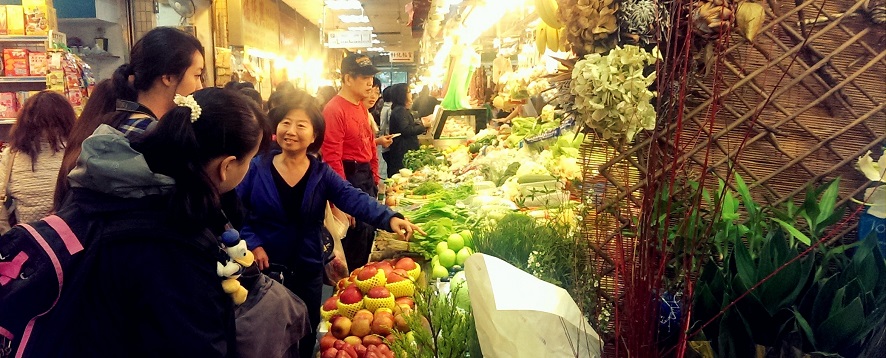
(34,259)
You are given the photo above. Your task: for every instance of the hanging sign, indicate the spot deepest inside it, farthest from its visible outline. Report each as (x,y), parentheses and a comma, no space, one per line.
(402,56)
(349,39)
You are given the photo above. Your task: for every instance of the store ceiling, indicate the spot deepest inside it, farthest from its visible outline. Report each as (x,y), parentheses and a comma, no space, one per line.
(388,19)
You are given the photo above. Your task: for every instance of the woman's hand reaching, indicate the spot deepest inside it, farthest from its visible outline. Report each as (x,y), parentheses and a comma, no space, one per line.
(404,229)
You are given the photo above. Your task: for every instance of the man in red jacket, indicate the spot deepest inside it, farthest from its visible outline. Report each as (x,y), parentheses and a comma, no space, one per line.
(349,147)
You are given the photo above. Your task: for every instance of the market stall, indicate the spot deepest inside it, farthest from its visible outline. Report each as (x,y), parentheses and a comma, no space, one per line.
(649,165)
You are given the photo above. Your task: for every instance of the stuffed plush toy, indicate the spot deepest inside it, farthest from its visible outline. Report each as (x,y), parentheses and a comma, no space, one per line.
(239,257)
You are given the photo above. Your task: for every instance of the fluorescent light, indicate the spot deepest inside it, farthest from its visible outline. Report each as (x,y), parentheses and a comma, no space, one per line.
(376,41)
(374,35)
(344,4)
(353,18)
(375,49)
(360,28)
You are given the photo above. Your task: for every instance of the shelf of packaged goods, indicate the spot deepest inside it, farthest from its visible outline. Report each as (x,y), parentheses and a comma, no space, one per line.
(23,79)
(7,121)
(23,38)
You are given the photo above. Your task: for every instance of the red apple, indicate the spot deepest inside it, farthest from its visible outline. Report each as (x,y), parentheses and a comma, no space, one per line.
(385,266)
(405,263)
(397,275)
(389,339)
(379,292)
(367,273)
(330,304)
(327,341)
(350,295)
(406,301)
(343,354)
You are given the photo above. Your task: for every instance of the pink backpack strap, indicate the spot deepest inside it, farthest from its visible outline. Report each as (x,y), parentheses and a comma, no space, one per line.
(72,244)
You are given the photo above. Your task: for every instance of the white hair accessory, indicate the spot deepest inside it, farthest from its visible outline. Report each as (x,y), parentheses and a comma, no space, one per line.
(190,102)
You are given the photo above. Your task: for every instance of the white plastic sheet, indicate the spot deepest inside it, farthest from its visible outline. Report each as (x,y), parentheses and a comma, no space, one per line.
(518,315)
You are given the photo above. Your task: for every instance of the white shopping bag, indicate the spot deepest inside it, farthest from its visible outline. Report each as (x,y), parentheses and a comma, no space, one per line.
(518,315)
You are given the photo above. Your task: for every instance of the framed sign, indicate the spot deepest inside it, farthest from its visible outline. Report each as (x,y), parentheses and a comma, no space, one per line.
(402,56)
(349,39)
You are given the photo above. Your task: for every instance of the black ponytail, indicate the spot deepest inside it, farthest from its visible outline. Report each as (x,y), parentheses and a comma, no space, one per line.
(122,85)
(229,124)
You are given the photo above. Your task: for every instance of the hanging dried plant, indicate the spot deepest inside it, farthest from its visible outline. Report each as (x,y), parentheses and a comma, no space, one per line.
(710,19)
(641,20)
(591,25)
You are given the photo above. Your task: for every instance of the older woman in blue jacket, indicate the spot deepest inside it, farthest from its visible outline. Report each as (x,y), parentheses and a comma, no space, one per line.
(285,194)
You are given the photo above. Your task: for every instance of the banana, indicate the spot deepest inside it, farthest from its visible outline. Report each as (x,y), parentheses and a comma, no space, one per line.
(547,11)
(541,38)
(553,42)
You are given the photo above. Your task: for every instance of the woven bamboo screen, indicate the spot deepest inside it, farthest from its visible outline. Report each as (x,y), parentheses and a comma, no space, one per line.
(807,98)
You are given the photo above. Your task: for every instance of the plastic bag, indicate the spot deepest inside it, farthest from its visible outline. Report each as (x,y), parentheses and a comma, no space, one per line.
(337,267)
(518,315)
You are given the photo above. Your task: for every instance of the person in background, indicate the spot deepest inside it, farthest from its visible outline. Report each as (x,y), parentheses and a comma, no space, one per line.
(35,154)
(163,63)
(349,148)
(403,122)
(425,103)
(285,86)
(374,106)
(285,194)
(253,95)
(324,94)
(384,128)
(148,283)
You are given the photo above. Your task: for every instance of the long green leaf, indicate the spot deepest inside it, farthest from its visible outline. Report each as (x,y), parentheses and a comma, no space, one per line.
(840,327)
(745,194)
(805,328)
(828,201)
(794,232)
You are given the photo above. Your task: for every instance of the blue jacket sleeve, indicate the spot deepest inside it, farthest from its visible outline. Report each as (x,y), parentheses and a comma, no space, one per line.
(355,202)
(244,190)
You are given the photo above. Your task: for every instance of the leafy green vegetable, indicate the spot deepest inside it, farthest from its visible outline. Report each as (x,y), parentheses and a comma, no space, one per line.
(424,156)
(427,188)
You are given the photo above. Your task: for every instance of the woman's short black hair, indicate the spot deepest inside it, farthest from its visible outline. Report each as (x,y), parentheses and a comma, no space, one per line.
(398,94)
(309,105)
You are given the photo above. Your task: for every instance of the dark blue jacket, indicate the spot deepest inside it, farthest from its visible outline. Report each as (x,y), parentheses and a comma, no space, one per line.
(298,244)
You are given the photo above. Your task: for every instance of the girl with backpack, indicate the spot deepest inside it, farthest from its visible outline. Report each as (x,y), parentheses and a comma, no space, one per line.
(147,213)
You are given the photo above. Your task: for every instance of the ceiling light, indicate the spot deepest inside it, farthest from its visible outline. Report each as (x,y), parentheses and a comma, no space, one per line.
(375,49)
(344,4)
(374,35)
(353,18)
(360,28)
(376,41)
